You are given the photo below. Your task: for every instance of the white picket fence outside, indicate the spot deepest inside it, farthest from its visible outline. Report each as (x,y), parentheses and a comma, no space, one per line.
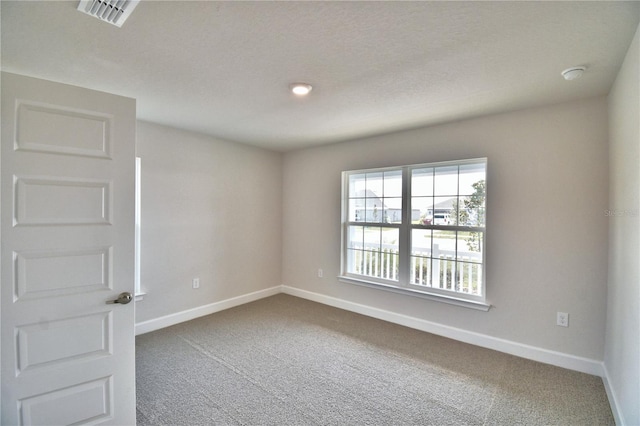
(438,270)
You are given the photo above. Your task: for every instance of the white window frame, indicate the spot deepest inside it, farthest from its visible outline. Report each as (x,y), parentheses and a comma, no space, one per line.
(139,293)
(402,285)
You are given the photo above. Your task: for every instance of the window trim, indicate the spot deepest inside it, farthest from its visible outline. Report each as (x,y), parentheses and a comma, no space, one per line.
(138,292)
(403,285)
(444,298)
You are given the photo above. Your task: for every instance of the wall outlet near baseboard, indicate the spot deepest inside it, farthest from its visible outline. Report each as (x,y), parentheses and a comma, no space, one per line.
(320,273)
(195,283)
(562,319)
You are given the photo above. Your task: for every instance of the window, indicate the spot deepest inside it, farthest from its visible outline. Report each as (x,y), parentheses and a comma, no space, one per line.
(138,289)
(417,229)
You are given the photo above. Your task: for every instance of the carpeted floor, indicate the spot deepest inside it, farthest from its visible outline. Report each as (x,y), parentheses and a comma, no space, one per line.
(289,361)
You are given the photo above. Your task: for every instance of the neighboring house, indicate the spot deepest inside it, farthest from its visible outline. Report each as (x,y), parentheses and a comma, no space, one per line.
(441,213)
(371,208)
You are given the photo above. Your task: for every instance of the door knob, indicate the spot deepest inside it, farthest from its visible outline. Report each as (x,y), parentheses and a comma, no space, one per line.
(123,299)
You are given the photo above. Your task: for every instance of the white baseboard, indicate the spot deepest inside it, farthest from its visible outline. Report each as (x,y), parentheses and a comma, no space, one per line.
(613,400)
(178,317)
(572,362)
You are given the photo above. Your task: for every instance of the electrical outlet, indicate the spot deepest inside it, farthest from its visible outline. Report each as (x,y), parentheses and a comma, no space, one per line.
(195,283)
(562,319)
(320,273)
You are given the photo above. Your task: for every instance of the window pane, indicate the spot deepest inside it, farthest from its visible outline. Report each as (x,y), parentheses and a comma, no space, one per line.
(393,184)
(372,238)
(356,209)
(357,190)
(444,242)
(376,197)
(473,206)
(355,246)
(389,254)
(444,210)
(422,210)
(469,278)
(357,185)
(444,252)
(422,182)
(390,238)
(446,181)
(470,174)
(355,237)
(373,251)
(392,210)
(374,210)
(471,216)
(421,270)
(374,185)
(421,242)
(444,273)
(470,246)
(420,262)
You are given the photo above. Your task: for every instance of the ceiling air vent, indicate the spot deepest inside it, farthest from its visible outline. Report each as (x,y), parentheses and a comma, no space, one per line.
(112,11)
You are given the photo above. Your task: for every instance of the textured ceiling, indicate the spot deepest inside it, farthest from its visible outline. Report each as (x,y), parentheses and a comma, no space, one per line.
(223,68)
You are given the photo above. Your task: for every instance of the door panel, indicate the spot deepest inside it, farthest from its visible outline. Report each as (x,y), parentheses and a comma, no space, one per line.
(56,201)
(58,129)
(67,204)
(42,273)
(92,402)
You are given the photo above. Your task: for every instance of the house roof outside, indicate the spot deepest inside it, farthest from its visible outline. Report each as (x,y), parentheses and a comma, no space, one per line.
(364,197)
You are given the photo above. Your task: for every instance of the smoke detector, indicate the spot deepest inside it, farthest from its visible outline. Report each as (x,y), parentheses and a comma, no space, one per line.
(114,12)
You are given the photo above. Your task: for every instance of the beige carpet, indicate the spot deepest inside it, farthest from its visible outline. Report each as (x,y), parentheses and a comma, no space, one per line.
(288,361)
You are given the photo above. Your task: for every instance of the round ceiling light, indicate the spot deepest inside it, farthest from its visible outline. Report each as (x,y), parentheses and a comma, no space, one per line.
(301,89)
(573,73)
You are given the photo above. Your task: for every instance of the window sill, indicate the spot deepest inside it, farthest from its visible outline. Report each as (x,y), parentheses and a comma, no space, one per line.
(480,306)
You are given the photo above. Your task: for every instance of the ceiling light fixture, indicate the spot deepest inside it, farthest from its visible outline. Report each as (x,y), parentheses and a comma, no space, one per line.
(301,89)
(573,73)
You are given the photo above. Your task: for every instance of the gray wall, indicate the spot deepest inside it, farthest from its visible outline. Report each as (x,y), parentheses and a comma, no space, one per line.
(622,356)
(244,219)
(546,231)
(210,209)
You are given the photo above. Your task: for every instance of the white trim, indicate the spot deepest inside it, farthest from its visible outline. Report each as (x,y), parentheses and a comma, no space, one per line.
(560,359)
(572,362)
(405,230)
(138,216)
(611,394)
(189,314)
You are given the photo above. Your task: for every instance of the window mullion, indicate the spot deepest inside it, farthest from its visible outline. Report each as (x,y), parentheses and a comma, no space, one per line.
(405,228)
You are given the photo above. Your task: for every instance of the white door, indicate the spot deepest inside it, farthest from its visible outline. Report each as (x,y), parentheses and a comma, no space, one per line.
(67,205)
